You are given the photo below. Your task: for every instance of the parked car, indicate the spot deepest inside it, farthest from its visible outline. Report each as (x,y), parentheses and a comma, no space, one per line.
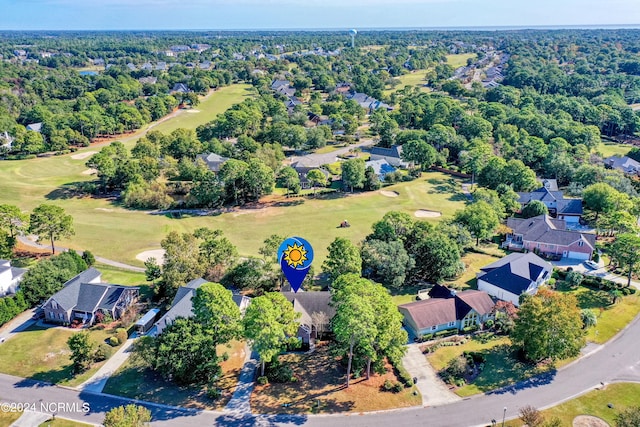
(592,265)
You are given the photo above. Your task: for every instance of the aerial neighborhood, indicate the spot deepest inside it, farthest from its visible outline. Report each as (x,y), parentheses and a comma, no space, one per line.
(465,209)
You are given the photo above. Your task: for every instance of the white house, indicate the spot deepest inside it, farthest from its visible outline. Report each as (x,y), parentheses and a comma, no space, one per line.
(9,277)
(514,275)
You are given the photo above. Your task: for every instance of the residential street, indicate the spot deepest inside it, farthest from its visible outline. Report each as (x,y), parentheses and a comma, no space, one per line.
(619,360)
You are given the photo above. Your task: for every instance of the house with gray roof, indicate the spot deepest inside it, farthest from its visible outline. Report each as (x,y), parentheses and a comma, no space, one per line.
(514,275)
(35,127)
(182,305)
(624,164)
(367,102)
(180,88)
(446,310)
(549,237)
(308,303)
(9,277)
(83,297)
(559,207)
(214,161)
(392,155)
(303,170)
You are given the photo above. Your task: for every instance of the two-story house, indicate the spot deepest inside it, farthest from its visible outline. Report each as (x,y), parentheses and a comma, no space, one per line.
(559,207)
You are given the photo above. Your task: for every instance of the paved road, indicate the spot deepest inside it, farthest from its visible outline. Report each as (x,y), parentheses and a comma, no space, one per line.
(316,160)
(619,360)
(28,242)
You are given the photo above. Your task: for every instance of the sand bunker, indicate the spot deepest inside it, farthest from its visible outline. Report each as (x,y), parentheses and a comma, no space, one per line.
(104,209)
(158,254)
(84,155)
(589,421)
(89,172)
(389,193)
(425,213)
(191,111)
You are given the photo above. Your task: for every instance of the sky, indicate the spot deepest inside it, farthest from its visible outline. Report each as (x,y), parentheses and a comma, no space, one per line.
(309,14)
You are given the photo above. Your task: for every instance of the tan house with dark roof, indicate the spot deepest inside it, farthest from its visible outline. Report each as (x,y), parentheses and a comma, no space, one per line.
(308,303)
(457,311)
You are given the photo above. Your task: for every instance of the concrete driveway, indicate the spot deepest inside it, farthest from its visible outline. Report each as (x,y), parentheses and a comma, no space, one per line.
(434,391)
(579,266)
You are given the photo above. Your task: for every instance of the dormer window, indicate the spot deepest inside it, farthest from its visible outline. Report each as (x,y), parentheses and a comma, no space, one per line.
(580,243)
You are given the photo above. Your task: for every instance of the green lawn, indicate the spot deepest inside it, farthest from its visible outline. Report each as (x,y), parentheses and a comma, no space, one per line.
(31,182)
(42,354)
(459,59)
(594,403)
(127,278)
(415,78)
(218,102)
(609,149)
(7,418)
(502,368)
(473,261)
(60,422)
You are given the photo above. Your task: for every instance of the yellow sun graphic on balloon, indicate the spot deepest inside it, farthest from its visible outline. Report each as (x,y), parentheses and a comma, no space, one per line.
(295,255)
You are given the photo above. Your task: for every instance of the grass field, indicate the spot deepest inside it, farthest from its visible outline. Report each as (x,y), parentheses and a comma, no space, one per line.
(459,59)
(594,403)
(31,182)
(7,418)
(415,78)
(58,422)
(42,354)
(136,381)
(212,105)
(609,149)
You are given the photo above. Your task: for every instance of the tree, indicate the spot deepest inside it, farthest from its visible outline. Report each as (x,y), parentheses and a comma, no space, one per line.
(599,197)
(270,249)
(386,262)
(184,353)
(549,326)
(152,270)
(12,220)
(343,258)
(353,173)
(127,416)
(436,258)
(394,225)
(479,218)
(629,417)
(82,352)
(271,324)
(215,310)
(51,221)
(48,276)
(290,180)
(317,179)
(7,244)
(419,152)
(181,262)
(371,180)
(534,208)
(531,416)
(320,319)
(589,318)
(625,251)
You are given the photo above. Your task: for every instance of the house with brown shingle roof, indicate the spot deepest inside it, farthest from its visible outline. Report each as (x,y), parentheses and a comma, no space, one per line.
(457,310)
(308,303)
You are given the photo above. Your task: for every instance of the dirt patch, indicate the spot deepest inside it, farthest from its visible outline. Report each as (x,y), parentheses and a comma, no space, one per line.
(425,213)
(158,254)
(81,156)
(589,421)
(389,193)
(89,172)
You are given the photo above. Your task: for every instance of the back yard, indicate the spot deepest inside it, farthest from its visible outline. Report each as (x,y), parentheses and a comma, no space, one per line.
(320,388)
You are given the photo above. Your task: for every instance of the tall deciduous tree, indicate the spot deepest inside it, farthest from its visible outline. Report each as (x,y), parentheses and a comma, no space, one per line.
(479,218)
(600,198)
(51,221)
(152,270)
(317,179)
(181,262)
(534,208)
(12,220)
(81,348)
(353,173)
(343,258)
(419,152)
(549,326)
(214,308)
(436,258)
(270,324)
(386,262)
(626,252)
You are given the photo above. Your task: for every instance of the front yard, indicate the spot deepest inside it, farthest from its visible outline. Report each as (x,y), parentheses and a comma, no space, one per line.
(135,381)
(42,354)
(320,388)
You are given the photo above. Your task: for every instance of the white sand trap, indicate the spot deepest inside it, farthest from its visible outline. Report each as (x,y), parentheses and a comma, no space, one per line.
(389,193)
(424,213)
(104,209)
(589,421)
(89,172)
(84,155)
(191,111)
(158,254)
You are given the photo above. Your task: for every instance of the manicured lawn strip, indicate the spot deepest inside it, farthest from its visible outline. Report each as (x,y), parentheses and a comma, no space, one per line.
(459,59)
(42,354)
(609,149)
(220,101)
(473,261)
(118,276)
(501,369)
(321,379)
(135,381)
(415,78)
(7,418)
(594,403)
(59,422)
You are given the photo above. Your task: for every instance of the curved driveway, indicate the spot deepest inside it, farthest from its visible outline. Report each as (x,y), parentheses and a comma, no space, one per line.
(619,360)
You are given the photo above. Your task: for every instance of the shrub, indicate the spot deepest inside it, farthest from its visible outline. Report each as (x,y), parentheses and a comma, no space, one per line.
(103,352)
(489,323)
(446,333)
(214,393)
(398,387)
(278,373)
(263,380)
(470,329)
(113,341)
(121,335)
(403,375)
(388,385)
(595,257)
